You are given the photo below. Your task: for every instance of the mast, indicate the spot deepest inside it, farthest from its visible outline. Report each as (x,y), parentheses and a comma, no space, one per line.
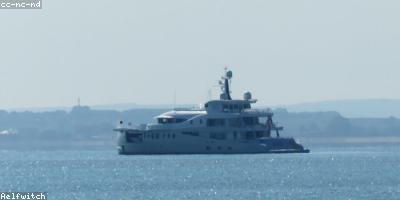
(224,84)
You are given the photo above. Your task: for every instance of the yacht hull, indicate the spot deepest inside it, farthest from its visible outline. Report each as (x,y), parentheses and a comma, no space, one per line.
(123,151)
(183,144)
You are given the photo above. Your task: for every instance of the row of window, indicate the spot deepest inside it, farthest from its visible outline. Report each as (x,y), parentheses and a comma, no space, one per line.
(234,122)
(190,133)
(159,136)
(215,122)
(231,107)
(214,135)
(219,148)
(170,120)
(235,107)
(248,135)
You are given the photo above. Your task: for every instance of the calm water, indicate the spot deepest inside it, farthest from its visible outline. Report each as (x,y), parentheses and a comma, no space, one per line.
(371,172)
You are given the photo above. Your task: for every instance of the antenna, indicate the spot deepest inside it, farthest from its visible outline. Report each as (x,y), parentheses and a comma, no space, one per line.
(174,99)
(79,102)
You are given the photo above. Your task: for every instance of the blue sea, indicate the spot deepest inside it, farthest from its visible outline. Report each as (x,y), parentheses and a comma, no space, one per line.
(363,172)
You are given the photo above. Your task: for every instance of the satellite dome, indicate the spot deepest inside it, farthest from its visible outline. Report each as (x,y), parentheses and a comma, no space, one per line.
(247,96)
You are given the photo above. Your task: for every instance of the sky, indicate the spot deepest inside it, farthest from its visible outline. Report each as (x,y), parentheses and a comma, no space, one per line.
(144,52)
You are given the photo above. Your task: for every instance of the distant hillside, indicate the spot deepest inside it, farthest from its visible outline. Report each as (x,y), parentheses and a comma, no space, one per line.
(114,107)
(361,108)
(83,126)
(365,108)
(83,122)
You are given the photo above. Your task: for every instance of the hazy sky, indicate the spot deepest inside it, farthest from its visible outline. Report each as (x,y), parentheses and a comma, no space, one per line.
(130,51)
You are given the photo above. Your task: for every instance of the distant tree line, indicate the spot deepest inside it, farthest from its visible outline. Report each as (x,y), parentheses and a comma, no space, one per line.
(83,123)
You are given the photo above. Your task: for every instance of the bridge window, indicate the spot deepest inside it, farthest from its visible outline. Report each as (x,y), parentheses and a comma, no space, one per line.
(235,107)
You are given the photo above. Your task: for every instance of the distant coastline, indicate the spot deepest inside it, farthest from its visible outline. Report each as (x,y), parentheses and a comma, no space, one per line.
(85,128)
(350,108)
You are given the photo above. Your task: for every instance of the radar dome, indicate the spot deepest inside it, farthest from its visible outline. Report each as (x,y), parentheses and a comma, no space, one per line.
(247,96)
(229,74)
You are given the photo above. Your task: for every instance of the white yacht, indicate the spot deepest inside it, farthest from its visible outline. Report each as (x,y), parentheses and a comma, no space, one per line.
(224,126)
